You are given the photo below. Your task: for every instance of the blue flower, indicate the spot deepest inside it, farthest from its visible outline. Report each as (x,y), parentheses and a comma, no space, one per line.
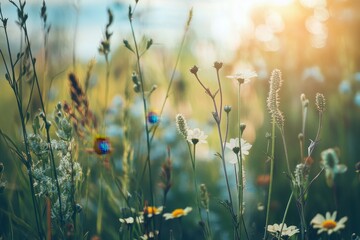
(153,117)
(102,145)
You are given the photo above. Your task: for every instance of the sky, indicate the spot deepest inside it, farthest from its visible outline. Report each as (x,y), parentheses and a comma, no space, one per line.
(226,22)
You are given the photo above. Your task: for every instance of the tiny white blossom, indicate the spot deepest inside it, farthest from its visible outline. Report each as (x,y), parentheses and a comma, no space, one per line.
(195,136)
(129,220)
(285,231)
(233,145)
(243,76)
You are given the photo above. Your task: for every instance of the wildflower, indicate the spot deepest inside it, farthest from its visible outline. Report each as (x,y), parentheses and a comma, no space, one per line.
(130,220)
(320,102)
(149,235)
(182,125)
(227,108)
(330,161)
(195,136)
(194,70)
(243,76)
(150,211)
(287,231)
(328,223)
(234,146)
(177,213)
(218,65)
(273,100)
(153,117)
(101,145)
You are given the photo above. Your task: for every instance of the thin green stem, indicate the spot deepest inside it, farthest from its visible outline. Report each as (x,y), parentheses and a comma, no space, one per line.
(285,150)
(47,126)
(100,204)
(193,162)
(285,213)
(174,71)
(240,190)
(107,79)
(13,84)
(220,91)
(147,132)
(227,180)
(271,176)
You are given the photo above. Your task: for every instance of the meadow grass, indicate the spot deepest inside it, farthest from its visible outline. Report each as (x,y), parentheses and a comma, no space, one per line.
(129,159)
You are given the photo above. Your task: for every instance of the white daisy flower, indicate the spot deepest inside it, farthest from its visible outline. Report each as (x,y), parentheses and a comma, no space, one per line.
(195,136)
(130,220)
(153,211)
(286,230)
(233,145)
(328,223)
(243,76)
(151,235)
(179,212)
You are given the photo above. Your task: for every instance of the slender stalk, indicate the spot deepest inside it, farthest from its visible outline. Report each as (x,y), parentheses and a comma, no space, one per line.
(174,70)
(107,79)
(285,214)
(216,116)
(76,26)
(271,176)
(220,91)
(285,150)
(195,181)
(100,205)
(227,182)
(240,190)
(28,162)
(47,126)
(241,169)
(147,132)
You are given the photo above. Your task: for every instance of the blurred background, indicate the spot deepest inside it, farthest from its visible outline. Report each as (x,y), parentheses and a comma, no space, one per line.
(313,42)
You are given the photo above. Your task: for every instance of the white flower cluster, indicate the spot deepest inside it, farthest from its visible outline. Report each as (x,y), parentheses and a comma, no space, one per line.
(69,172)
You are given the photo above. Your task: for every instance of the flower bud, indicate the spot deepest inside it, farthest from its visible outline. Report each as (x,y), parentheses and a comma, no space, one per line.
(227,108)
(218,65)
(194,70)
(242,127)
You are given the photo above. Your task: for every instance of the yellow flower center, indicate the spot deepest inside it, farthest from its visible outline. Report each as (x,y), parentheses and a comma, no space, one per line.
(329,224)
(151,210)
(178,212)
